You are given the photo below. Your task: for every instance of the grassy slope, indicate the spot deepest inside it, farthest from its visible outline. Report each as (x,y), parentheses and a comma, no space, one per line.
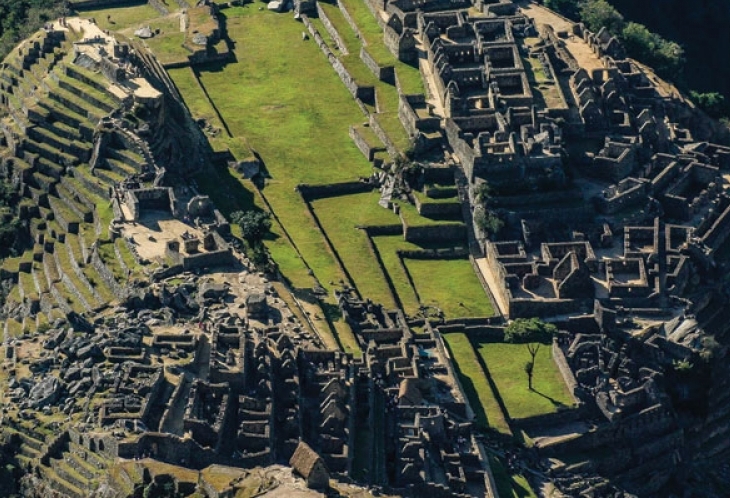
(506,363)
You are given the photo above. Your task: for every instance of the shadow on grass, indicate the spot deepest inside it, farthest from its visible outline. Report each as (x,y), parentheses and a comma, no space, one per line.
(225,190)
(497,395)
(557,404)
(471,393)
(506,485)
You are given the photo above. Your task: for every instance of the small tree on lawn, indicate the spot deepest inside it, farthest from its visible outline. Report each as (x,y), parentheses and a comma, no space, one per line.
(532,332)
(529,366)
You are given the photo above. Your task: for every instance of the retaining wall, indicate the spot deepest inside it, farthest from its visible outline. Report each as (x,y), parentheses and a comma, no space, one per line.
(363,92)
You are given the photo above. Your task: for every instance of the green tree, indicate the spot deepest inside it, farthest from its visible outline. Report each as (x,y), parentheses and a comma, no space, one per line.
(483,193)
(713,103)
(639,41)
(487,221)
(597,14)
(568,8)
(254,224)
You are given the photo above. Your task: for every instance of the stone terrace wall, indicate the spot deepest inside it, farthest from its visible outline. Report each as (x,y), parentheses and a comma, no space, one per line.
(367,149)
(383,73)
(334,34)
(312,192)
(365,93)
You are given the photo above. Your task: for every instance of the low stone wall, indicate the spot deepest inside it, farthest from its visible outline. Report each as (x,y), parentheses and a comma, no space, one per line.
(383,230)
(383,136)
(367,149)
(223,257)
(383,73)
(331,30)
(562,363)
(526,308)
(363,92)
(439,210)
(312,192)
(106,275)
(434,232)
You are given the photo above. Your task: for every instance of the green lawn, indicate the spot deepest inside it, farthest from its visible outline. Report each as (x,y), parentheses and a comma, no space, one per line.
(118,18)
(472,378)
(387,247)
(446,283)
(339,217)
(168,45)
(299,125)
(506,363)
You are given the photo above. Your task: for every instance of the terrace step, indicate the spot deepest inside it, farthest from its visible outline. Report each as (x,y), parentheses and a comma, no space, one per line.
(72,147)
(127,156)
(50,152)
(43,182)
(70,474)
(83,194)
(49,168)
(59,484)
(86,92)
(91,182)
(89,78)
(63,130)
(109,177)
(65,115)
(121,168)
(68,220)
(74,103)
(71,200)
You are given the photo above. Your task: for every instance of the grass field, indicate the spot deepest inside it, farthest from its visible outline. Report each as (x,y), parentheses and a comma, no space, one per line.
(472,378)
(506,362)
(451,285)
(387,247)
(298,125)
(339,217)
(118,18)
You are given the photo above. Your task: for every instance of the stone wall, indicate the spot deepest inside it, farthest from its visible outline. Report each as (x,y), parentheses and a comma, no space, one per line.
(106,275)
(440,232)
(312,192)
(526,308)
(383,73)
(334,34)
(383,136)
(367,149)
(365,93)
